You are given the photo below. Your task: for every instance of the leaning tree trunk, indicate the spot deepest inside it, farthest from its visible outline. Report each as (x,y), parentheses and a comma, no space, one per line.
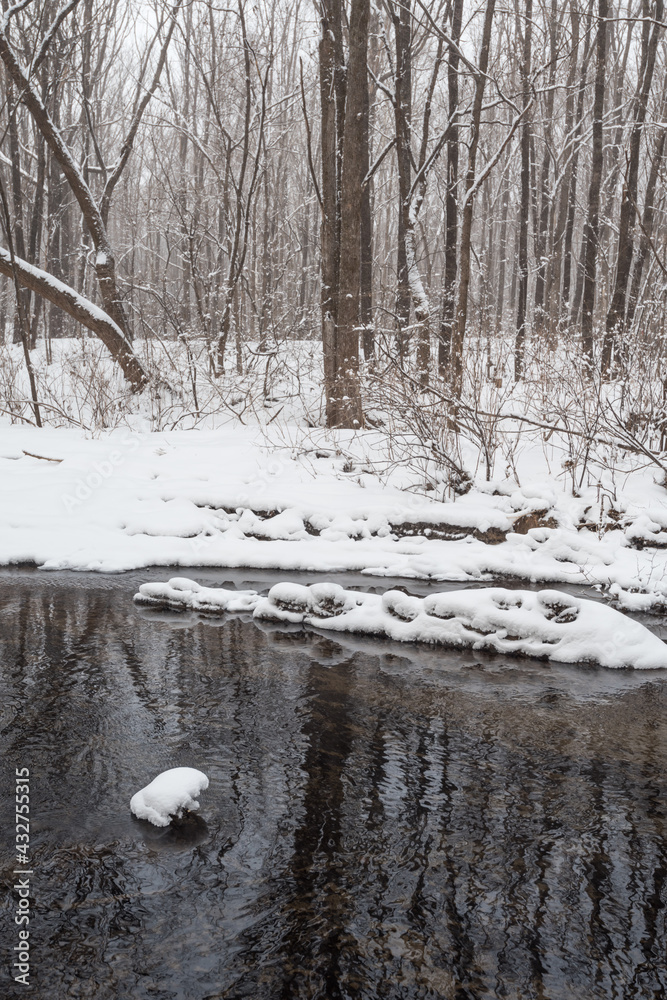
(75,305)
(95,215)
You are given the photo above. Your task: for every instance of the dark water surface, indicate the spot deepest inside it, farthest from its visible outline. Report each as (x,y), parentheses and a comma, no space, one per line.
(382,821)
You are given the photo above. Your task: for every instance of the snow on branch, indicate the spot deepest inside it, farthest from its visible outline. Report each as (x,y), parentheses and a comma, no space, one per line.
(66,298)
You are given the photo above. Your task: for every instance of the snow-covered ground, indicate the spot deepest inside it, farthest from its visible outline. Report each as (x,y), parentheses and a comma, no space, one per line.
(295,499)
(548,625)
(541,484)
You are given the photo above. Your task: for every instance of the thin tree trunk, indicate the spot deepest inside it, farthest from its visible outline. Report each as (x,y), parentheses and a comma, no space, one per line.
(591,231)
(502,254)
(545,200)
(17,205)
(647,217)
(417,194)
(556,270)
(521,319)
(403,124)
(572,186)
(466,227)
(451,204)
(366,278)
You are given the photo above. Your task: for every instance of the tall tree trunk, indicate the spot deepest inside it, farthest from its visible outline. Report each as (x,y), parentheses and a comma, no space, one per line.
(541,249)
(591,231)
(17,205)
(184,172)
(615,127)
(616,314)
(555,273)
(418,294)
(521,318)
(366,278)
(331,97)
(305,266)
(36,228)
(346,391)
(403,125)
(451,204)
(648,216)
(572,185)
(502,254)
(466,226)
(57,214)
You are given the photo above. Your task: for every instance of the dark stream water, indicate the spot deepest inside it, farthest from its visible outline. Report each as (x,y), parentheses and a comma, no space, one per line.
(382,822)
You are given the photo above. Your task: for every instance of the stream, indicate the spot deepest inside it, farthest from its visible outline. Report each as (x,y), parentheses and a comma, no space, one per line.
(382,822)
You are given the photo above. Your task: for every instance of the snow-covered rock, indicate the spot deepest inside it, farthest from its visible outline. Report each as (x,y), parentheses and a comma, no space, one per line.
(181,593)
(169,795)
(548,624)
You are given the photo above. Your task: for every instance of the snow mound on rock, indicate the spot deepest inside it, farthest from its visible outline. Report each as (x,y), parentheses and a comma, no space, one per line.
(548,624)
(168,795)
(181,593)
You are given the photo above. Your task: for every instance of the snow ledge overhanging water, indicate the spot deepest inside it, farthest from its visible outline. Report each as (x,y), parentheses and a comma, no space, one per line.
(549,624)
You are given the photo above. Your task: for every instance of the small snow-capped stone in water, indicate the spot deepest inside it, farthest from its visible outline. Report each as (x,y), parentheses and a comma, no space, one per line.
(169,795)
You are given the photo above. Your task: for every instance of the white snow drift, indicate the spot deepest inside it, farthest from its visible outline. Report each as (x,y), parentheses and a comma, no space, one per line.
(549,624)
(169,795)
(233,498)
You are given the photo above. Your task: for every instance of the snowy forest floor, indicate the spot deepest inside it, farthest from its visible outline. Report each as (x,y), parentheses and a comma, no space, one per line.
(259,483)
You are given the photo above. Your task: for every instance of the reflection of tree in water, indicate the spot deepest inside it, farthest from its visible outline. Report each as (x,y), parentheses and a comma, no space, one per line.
(51,653)
(503,882)
(317,939)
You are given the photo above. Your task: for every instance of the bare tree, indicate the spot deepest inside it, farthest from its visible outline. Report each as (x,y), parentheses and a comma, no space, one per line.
(465,250)
(616,314)
(525,73)
(346,397)
(591,231)
(95,214)
(451,204)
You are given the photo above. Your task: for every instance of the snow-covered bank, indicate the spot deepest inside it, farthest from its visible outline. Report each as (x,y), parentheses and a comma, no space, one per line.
(549,624)
(236,498)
